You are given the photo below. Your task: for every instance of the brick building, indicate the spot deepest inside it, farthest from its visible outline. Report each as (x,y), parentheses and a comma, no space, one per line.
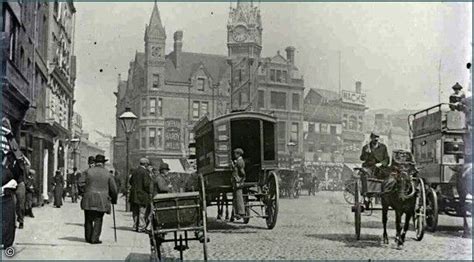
(169,93)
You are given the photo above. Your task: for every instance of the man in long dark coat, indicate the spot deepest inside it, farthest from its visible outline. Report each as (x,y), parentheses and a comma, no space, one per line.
(58,189)
(238,179)
(376,159)
(30,190)
(81,181)
(100,191)
(140,194)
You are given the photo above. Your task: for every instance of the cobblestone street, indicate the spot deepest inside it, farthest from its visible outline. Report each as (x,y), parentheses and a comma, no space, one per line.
(319,227)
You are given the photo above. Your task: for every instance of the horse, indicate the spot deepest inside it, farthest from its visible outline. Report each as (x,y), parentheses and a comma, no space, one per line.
(398,191)
(464,187)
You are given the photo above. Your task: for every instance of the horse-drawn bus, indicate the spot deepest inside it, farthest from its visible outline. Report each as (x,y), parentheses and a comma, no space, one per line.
(254,133)
(440,139)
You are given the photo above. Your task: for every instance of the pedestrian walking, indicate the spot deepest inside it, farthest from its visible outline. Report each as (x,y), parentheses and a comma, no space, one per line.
(99,193)
(238,179)
(73,187)
(12,160)
(58,189)
(20,196)
(116,179)
(30,191)
(140,194)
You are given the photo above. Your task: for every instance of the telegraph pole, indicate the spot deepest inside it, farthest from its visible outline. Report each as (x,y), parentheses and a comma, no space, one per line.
(439,82)
(340,85)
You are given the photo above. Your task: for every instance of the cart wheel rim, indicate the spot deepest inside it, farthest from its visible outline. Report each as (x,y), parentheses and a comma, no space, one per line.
(271,205)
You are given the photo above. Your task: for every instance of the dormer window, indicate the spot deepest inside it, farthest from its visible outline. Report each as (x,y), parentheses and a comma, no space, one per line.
(201,82)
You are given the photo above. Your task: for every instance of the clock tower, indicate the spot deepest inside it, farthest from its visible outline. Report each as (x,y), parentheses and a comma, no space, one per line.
(155,39)
(244,43)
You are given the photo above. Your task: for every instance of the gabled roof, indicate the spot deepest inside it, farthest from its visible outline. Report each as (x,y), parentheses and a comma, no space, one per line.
(327,94)
(278,59)
(215,65)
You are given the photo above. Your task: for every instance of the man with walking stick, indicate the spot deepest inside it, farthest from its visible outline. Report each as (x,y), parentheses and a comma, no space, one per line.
(100,191)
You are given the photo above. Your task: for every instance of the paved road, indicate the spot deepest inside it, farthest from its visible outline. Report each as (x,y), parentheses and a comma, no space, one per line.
(319,227)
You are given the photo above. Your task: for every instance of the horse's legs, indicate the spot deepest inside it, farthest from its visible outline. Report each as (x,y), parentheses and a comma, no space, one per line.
(406,225)
(384,221)
(398,222)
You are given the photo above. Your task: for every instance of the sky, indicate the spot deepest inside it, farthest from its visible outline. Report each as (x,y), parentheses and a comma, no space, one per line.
(400,52)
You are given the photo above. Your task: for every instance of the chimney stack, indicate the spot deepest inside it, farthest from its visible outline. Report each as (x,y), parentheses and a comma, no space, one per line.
(290,54)
(358,87)
(178,47)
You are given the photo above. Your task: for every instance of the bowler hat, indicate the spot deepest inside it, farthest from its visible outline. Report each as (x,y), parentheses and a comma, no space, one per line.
(164,166)
(100,159)
(144,161)
(91,160)
(457,86)
(239,151)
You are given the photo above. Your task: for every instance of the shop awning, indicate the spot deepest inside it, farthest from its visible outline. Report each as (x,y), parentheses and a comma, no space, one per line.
(175,165)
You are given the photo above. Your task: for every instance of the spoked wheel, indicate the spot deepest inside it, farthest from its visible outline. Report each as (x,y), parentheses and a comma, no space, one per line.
(349,192)
(271,202)
(420,210)
(204,215)
(431,209)
(357,209)
(155,243)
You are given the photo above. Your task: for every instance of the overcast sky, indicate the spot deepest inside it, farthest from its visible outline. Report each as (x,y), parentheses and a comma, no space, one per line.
(394,49)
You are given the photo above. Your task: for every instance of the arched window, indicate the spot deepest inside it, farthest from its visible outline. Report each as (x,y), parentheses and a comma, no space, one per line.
(352,123)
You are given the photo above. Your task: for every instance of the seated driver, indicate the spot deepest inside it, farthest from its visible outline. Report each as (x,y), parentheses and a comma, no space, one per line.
(375,157)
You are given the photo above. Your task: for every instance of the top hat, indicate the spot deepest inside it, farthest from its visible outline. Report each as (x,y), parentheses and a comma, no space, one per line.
(100,159)
(164,166)
(239,151)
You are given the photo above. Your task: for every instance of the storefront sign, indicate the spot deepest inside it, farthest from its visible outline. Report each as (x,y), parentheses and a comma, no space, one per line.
(353,98)
(173,134)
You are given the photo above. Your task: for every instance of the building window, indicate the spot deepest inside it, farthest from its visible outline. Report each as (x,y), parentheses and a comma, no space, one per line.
(272,75)
(333,130)
(243,98)
(156,81)
(324,128)
(137,140)
(261,99)
(204,108)
(152,106)
(294,132)
(311,149)
(144,108)
(196,110)
(282,130)
(200,84)
(295,105)
(352,123)
(240,74)
(160,107)
(311,127)
(278,100)
(11,31)
(344,121)
(278,76)
(284,76)
(152,138)
(361,123)
(143,138)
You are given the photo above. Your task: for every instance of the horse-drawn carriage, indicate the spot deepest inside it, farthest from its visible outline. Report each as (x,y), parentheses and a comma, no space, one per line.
(254,133)
(290,185)
(406,192)
(440,142)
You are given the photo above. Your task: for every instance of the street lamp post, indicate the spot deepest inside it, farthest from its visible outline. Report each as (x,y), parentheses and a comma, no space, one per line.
(75,142)
(128,120)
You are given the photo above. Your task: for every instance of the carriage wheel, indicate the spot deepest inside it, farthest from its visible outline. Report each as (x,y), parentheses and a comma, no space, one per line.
(420,210)
(204,216)
(357,210)
(155,243)
(349,192)
(272,201)
(431,209)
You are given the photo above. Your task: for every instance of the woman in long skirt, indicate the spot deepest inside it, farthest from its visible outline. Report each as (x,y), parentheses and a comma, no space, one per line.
(58,189)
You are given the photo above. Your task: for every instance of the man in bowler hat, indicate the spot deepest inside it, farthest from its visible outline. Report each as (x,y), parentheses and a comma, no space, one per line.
(100,191)
(140,194)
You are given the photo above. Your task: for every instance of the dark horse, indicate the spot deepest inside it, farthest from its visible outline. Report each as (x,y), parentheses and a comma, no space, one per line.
(398,193)
(464,187)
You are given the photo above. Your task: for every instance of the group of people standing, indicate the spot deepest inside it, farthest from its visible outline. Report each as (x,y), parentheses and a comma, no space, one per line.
(145,182)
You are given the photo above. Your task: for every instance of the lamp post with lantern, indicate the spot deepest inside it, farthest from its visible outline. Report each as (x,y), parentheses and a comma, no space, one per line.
(75,142)
(128,120)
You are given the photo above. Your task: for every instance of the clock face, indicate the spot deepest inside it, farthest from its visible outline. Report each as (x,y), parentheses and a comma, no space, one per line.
(155,51)
(240,34)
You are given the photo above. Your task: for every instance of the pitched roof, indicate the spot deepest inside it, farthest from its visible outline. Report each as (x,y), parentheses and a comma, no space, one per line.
(328,94)
(155,27)
(216,66)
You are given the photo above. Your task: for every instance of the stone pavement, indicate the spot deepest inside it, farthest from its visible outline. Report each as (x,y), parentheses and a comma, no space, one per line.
(318,227)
